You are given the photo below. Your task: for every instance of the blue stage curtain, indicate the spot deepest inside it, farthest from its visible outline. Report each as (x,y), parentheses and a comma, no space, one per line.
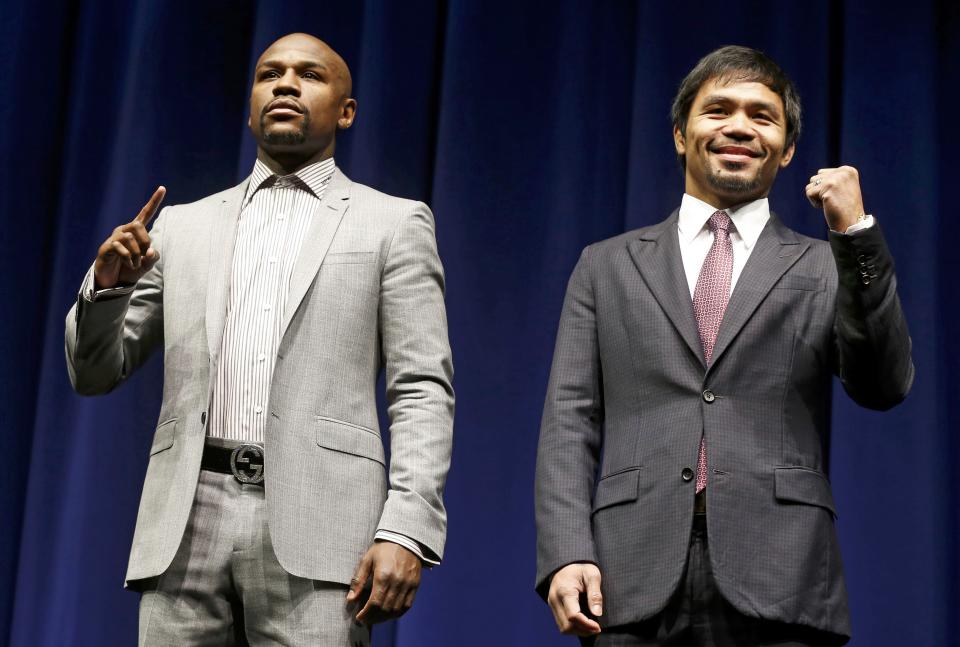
(532,129)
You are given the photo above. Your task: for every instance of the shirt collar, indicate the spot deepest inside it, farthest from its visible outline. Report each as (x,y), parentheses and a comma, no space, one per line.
(748,219)
(312,178)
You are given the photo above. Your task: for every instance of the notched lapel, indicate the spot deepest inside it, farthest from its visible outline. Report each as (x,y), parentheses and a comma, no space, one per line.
(223,235)
(323,226)
(656,253)
(778,248)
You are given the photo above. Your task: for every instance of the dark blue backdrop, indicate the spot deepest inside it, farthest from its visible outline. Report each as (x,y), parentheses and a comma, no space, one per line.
(532,129)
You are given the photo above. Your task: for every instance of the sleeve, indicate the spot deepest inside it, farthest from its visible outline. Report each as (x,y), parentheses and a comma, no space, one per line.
(419,375)
(107,339)
(570,435)
(871,339)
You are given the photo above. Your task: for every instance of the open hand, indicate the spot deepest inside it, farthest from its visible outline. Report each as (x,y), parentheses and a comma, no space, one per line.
(127,255)
(395,575)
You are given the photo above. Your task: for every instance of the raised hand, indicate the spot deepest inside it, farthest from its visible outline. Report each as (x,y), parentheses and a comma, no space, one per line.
(395,574)
(126,255)
(837,192)
(568,585)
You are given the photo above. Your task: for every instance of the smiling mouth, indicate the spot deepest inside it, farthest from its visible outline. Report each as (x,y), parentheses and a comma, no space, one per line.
(736,154)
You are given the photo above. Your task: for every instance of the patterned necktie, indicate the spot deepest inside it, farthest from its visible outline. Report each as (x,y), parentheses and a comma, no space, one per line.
(710,299)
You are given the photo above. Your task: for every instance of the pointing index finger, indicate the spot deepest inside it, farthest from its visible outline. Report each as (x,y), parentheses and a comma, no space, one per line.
(146,214)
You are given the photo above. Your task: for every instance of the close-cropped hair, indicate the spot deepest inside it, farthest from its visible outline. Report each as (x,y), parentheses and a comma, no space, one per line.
(734,64)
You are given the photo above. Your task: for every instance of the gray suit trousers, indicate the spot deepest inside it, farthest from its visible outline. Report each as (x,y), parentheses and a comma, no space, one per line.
(225,586)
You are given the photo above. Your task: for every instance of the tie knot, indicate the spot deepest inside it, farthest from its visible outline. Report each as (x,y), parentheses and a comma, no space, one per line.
(719,221)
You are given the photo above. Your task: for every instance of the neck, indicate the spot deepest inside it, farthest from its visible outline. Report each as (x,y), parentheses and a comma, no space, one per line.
(285,163)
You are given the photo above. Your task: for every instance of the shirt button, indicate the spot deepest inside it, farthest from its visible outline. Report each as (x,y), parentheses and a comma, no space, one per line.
(281,216)
(687,474)
(258,409)
(261,357)
(266,306)
(272,259)
(708,396)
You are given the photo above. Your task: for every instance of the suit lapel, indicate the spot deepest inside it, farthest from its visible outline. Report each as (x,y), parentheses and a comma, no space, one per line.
(656,253)
(777,249)
(326,219)
(223,236)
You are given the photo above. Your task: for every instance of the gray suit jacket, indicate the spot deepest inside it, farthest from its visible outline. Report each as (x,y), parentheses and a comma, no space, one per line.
(366,293)
(628,401)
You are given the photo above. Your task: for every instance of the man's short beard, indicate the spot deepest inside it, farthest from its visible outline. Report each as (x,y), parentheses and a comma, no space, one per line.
(732,183)
(285,138)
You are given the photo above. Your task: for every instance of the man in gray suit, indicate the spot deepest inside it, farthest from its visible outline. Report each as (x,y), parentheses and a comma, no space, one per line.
(267,515)
(690,390)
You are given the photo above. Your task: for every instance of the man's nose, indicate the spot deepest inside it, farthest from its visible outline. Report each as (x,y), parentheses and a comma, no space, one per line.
(289,83)
(738,126)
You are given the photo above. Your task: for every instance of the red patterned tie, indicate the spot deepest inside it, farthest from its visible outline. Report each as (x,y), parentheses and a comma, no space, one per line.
(710,300)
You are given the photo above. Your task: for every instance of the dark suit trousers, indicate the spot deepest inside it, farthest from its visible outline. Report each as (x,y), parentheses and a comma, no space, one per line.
(698,616)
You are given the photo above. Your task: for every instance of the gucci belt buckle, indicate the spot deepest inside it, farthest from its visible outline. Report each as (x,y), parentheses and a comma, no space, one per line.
(246,463)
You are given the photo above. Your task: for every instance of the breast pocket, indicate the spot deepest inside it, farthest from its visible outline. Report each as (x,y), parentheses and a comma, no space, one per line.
(349,258)
(799,282)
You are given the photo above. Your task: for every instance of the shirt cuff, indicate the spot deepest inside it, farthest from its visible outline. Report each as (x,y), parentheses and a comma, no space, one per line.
(866,223)
(90,293)
(406,542)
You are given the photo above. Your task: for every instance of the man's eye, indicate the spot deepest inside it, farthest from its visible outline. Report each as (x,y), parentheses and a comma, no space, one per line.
(271,74)
(763,117)
(716,111)
(311,75)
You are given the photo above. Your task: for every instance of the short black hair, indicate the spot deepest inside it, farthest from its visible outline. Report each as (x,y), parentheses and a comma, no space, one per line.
(735,63)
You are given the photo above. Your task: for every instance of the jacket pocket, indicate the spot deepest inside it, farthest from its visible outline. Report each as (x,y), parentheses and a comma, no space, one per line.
(349,438)
(349,257)
(621,487)
(163,436)
(799,282)
(803,485)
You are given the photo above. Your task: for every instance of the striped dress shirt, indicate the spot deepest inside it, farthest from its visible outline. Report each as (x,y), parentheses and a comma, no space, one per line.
(274,218)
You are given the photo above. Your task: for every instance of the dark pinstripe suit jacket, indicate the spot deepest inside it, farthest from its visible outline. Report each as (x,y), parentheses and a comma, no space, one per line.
(627,403)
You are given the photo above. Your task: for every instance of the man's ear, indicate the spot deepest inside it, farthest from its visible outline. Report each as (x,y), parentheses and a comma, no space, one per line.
(788,155)
(679,142)
(348,112)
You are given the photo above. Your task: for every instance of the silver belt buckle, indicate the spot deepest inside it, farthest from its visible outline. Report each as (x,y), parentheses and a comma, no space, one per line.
(246,463)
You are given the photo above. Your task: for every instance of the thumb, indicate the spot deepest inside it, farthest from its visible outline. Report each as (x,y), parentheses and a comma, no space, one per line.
(149,259)
(360,577)
(594,596)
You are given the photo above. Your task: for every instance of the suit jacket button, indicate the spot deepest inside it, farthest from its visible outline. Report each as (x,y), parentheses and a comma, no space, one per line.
(203,418)
(708,396)
(687,474)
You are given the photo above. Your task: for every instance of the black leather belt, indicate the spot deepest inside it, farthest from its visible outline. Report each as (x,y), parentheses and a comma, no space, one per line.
(244,461)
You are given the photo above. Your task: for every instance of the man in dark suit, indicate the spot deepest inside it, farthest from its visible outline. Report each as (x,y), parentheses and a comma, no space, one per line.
(690,390)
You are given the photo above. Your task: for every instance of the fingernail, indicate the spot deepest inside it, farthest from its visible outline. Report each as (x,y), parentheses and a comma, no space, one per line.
(597,610)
